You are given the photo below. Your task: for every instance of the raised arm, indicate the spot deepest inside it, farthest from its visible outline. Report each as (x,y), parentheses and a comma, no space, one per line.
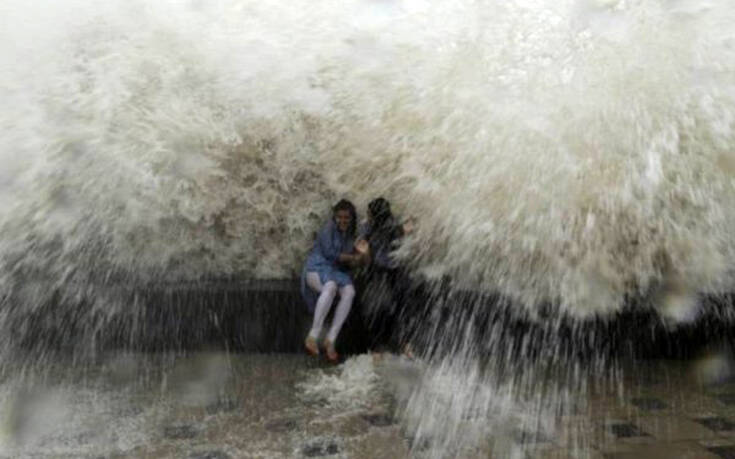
(408,225)
(352,260)
(331,251)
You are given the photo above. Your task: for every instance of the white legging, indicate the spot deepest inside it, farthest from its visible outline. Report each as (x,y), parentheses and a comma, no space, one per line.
(324,304)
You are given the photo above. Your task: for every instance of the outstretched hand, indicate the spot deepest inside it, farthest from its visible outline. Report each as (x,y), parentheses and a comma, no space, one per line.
(408,226)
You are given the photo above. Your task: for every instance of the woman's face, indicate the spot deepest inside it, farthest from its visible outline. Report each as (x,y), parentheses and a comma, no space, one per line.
(343,219)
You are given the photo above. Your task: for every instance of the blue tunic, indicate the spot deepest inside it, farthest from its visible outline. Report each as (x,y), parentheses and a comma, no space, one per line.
(323,259)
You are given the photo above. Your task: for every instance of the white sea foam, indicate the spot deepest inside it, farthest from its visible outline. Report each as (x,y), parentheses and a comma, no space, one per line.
(573,151)
(353,386)
(569,151)
(68,420)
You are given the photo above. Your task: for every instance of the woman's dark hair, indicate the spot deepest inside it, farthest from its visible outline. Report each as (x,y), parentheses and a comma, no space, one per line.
(344,204)
(379,209)
(384,226)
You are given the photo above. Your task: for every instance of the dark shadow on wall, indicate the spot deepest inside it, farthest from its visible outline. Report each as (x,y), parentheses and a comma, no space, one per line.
(269,316)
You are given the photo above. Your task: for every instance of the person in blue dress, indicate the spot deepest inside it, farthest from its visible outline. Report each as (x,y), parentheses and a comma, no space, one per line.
(327,273)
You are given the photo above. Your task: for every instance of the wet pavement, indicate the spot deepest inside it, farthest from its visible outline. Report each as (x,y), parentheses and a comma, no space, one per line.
(661,409)
(218,406)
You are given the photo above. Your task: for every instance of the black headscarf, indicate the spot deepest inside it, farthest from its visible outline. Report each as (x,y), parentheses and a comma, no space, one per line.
(383,224)
(379,209)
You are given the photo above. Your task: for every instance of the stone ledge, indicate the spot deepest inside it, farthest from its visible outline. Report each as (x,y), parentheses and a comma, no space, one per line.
(269,316)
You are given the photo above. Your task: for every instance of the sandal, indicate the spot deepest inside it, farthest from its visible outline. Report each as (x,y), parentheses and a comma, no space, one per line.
(311,347)
(332,355)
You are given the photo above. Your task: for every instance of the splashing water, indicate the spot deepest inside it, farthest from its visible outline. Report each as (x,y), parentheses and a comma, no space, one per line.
(349,389)
(567,151)
(575,153)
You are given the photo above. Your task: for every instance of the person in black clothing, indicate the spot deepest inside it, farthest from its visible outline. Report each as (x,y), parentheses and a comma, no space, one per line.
(385,283)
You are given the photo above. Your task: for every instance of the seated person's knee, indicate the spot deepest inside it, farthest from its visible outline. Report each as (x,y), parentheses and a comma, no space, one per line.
(330,288)
(348,291)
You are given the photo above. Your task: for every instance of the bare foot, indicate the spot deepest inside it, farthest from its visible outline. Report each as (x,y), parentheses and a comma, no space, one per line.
(311,347)
(332,355)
